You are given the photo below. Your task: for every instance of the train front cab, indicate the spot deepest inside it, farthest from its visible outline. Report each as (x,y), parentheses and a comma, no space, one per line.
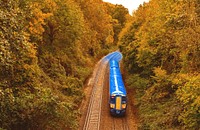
(118,104)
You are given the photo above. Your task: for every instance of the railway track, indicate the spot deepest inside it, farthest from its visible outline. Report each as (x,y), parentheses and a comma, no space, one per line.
(125,124)
(120,124)
(98,116)
(93,117)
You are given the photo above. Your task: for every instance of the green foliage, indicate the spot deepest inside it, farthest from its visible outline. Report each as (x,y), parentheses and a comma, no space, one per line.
(23,109)
(99,24)
(161,46)
(161,88)
(65,26)
(129,48)
(188,93)
(47,52)
(137,81)
(119,15)
(159,116)
(139,84)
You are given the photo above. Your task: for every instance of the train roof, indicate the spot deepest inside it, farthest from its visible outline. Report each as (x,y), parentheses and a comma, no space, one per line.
(115,71)
(117,85)
(115,79)
(114,63)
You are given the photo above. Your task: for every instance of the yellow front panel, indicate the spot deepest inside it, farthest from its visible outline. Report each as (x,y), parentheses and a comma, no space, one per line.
(118,103)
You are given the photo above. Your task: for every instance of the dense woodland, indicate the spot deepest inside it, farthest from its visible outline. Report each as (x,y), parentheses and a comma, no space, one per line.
(48,49)
(161,48)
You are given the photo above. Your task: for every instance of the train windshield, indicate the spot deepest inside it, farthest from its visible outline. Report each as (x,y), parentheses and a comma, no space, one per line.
(123,99)
(112,99)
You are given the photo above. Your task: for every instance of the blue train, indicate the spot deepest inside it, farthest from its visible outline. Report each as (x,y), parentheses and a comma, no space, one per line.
(117,91)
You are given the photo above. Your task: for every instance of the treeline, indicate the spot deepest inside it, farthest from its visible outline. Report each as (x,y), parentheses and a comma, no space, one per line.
(161,48)
(47,51)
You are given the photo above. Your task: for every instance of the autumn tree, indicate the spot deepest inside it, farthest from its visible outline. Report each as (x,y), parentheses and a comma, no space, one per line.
(31,96)
(119,16)
(99,23)
(160,47)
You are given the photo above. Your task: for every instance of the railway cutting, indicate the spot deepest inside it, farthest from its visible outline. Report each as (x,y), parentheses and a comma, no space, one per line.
(93,117)
(98,115)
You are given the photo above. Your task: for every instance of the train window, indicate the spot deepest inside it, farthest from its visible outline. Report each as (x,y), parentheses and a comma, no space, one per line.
(112,99)
(123,98)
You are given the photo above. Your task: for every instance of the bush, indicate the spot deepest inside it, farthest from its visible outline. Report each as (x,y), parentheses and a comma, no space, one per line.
(188,93)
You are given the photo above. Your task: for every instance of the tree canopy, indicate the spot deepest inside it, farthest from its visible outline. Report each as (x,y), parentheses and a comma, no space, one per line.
(47,51)
(49,47)
(161,51)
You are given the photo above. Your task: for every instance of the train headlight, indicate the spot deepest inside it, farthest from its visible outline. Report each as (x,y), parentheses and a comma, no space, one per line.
(112,105)
(112,97)
(123,106)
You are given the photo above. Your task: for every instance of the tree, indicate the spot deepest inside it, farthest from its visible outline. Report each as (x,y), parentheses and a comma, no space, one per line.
(160,44)
(119,15)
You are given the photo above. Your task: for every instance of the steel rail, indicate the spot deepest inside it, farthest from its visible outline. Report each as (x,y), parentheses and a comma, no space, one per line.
(92,121)
(123,126)
(93,116)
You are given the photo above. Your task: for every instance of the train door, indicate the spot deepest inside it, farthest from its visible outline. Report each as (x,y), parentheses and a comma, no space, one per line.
(118,102)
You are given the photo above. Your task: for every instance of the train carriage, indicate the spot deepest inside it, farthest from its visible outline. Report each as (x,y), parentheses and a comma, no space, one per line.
(117,91)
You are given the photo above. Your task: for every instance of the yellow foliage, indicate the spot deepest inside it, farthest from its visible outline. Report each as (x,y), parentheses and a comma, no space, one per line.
(37,20)
(159,72)
(189,95)
(180,78)
(109,39)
